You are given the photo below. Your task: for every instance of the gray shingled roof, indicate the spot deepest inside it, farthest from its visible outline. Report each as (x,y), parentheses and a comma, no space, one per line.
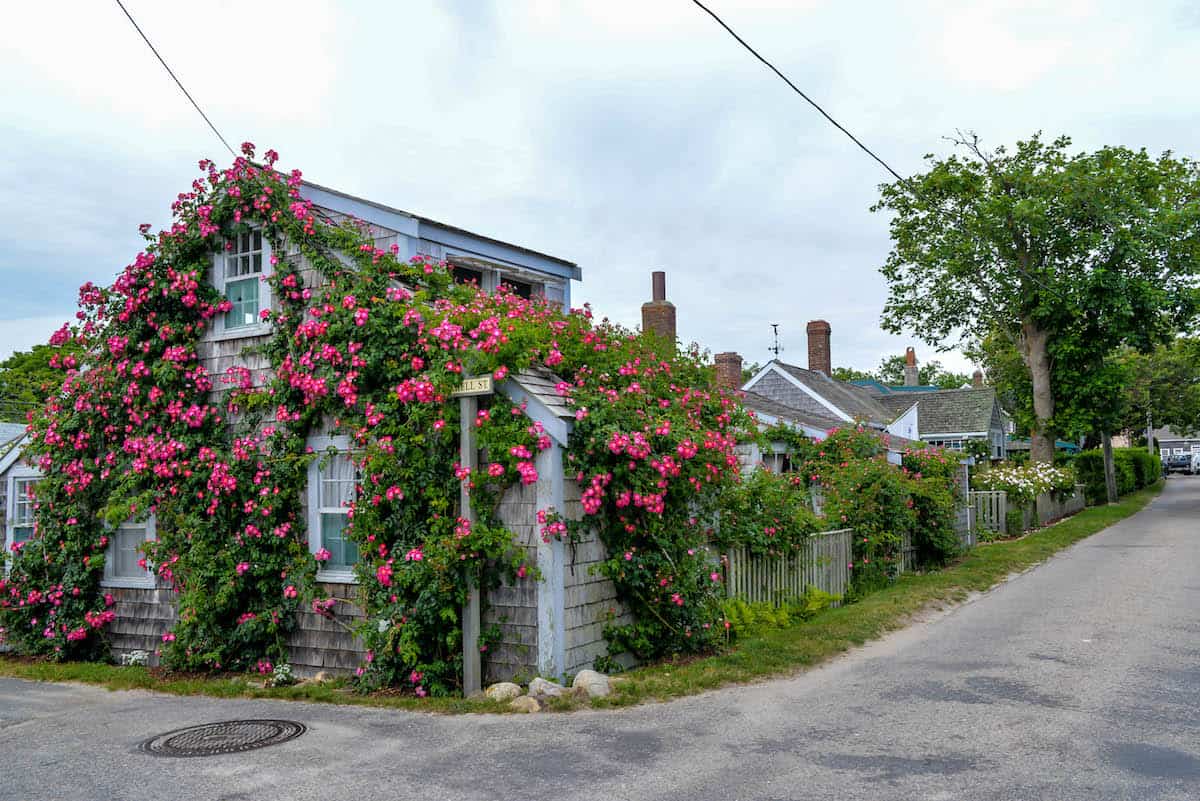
(9,432)
(950,411)
(857,402)
(1168,434)
(541,383)
(764,405)
(760,404)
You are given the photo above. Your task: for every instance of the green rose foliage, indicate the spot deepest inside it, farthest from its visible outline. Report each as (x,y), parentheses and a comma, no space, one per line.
(882,502)
(767,513)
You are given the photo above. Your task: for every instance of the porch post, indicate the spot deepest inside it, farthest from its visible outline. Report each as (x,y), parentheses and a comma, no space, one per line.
(472,672)
(551,590)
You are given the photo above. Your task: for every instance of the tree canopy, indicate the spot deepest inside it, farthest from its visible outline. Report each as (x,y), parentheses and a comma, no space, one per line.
(28,377)
(1066,256)
(891,372)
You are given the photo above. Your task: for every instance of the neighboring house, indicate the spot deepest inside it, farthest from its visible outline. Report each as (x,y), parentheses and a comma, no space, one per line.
(947,418)
(16,508)
(813,402)
(550,627)
(1171,442)
(952,418)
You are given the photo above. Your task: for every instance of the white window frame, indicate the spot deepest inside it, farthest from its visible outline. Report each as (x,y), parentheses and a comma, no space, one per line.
(219,281)
(143,582)
(18,473)
(321,447)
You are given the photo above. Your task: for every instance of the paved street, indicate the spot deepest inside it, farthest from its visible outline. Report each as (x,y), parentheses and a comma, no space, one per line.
(1078,680)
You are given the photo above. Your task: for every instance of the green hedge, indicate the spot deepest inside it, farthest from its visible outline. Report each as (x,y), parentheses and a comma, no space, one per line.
(1135,468)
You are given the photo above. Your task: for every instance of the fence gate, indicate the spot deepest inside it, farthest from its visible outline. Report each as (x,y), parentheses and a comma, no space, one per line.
(991,509)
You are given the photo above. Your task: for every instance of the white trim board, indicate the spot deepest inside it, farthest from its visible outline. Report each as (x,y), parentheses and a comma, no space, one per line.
(800,385)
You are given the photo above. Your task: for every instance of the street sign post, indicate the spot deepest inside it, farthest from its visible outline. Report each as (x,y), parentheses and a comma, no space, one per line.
(468,406)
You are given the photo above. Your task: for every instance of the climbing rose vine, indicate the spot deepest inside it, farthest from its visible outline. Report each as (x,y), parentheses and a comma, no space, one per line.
(366,344)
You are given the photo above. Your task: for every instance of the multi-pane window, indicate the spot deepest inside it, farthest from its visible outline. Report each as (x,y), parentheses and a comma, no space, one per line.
(242,274)
(333,481)
(21,519)
(337,482)
(123,562)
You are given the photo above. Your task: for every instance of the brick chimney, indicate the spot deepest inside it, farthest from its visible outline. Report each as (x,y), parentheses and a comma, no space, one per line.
(659,314)
(729,370)
(911,378)
(818,347)
(977,380)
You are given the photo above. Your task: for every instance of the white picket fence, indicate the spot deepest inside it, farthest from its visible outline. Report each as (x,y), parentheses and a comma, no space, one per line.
(823,562)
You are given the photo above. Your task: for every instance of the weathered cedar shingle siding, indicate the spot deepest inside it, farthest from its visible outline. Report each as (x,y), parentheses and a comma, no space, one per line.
(591,600)
(320,643)
(143,617)
(513,606)
(776,388)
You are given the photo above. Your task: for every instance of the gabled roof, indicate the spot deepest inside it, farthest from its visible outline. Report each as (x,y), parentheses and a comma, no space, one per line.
(10,451)
(856,403)
(948,411)
(762,405)
(414,225)
(10,432)
(537,387)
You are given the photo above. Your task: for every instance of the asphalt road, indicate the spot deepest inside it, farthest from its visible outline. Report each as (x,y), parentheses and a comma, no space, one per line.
(1077,680)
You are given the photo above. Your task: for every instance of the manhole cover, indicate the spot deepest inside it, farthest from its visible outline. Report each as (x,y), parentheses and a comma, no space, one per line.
(229,737)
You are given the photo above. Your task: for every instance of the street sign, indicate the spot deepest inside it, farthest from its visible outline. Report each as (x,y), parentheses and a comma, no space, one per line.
(474,385)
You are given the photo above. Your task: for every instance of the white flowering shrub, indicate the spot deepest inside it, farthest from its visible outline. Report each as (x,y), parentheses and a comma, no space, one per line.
(1023,483)
(283,676)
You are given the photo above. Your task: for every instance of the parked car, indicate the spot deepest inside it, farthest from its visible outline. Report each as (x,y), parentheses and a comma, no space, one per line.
(1180,463)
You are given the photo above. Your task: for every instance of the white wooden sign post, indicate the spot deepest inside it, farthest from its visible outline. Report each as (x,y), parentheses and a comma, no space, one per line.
(468,405)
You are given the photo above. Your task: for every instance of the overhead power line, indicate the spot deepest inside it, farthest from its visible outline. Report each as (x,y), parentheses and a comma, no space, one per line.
(798,91)
(178,83)
(905,182)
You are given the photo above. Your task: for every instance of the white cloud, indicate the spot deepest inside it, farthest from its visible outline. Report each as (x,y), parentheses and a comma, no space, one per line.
(23,334)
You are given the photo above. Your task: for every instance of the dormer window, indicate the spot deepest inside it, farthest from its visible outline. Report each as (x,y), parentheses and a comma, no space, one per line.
(238,273)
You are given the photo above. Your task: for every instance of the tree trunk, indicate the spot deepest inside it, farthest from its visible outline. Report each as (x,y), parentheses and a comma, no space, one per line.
(1110,469)
(1037,359)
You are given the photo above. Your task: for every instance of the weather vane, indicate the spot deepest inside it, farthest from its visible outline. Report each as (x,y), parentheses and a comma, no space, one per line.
(776,348)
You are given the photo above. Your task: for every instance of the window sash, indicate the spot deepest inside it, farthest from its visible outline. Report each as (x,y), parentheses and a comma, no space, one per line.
(334,488)
(125,555)
(246,298)
(22,502)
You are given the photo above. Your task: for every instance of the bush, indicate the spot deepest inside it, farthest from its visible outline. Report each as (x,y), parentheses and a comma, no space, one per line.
(1023,484)
(1135,468)
(766,513)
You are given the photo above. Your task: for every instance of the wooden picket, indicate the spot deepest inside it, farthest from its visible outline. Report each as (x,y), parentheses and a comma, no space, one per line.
(823,562)
(991,509)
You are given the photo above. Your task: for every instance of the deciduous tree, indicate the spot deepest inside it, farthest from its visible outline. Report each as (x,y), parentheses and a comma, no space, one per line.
(1068,256)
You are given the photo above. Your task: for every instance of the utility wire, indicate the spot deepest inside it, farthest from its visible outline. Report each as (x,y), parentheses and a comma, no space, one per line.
(906,182)
(178,83)
(798,91)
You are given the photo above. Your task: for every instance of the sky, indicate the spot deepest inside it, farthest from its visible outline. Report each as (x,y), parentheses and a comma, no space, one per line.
(624,136)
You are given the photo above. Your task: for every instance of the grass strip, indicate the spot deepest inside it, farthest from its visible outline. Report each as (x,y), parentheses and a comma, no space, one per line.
(769,653)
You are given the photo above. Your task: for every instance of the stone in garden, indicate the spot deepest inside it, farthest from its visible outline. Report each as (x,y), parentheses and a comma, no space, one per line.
(596,685)
(504,691)
(526,703)
(546,689)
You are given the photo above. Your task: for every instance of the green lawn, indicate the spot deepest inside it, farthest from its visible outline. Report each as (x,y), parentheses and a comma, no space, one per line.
(771,653)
